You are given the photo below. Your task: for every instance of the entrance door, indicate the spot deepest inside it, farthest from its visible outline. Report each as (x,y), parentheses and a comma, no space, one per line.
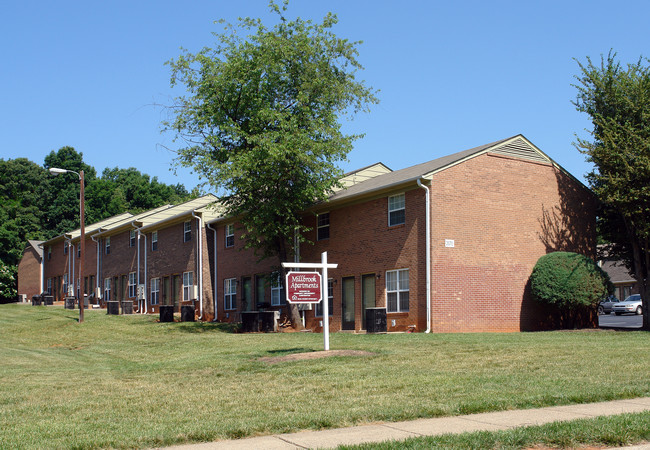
(367,295)
(166,289)
(176,292)
(347,304)
(247,294)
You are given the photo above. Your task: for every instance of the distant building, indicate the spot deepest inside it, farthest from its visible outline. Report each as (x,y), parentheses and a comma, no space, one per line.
(30,271)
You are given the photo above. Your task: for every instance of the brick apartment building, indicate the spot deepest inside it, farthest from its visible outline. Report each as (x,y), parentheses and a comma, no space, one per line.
(444,246)
(31,268)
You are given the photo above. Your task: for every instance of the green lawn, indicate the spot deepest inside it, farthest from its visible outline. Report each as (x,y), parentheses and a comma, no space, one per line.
(128,381)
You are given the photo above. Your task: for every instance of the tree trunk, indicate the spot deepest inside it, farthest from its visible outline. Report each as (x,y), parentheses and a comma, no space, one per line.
(292,308)
(641,255)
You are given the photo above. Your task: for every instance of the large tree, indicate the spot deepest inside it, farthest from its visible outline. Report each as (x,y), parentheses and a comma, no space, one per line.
(261,121)
(617,100)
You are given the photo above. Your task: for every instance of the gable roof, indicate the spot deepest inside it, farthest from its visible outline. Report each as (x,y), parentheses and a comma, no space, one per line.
(37,246)
(171,214)
(516,146)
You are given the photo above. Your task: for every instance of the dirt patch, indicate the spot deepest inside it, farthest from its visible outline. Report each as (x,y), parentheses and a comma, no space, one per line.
(314,355)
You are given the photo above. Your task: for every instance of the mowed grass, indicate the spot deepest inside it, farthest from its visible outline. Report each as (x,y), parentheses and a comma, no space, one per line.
(128,381)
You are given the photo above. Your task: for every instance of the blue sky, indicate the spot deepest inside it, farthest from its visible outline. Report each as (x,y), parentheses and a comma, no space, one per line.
(451,75)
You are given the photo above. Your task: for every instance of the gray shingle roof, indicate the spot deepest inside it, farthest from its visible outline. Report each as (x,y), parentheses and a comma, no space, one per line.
(407,175)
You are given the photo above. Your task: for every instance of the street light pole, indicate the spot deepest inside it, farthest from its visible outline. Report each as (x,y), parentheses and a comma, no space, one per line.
(55,171)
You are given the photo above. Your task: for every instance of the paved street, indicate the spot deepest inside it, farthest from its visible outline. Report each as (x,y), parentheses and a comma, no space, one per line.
(624,321)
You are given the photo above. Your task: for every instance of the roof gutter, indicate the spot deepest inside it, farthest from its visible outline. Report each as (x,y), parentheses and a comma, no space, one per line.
(144,299)
(428,250)
(199,243)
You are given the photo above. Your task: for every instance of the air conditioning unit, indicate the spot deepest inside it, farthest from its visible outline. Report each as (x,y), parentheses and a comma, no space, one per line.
(22,298)
(141,292)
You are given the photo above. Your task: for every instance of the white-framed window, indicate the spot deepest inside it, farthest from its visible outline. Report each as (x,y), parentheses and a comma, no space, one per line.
(154,241)
(188,282)
(330,300)
(79,250)
(230,235)
(187,231)
(155,290)
(277,292)
(108,245)
(230,293)
(323,227)
(397,290)
(132,285)
(107,289)
(78,287)
(396,210)
(49,286)
(132,238)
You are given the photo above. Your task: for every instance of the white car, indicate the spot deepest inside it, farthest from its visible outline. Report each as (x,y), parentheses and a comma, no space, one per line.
(632,304)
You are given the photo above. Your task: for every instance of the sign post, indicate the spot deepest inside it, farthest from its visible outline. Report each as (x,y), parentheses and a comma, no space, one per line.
(303,290)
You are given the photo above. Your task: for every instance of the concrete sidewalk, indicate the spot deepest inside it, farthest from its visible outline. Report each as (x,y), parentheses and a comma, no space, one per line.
(501,420)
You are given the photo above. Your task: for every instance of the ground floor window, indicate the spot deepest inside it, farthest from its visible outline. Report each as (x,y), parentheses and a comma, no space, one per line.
(188,282)
(230,293)
(330,300)
(132,288)
(397,290)
(49,286)
(107,289)
(155,290)
(277,292)
(65,284)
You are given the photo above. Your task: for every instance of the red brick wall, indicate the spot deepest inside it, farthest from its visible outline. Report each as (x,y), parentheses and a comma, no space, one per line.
(29,273)
(362,243)
(237,262)
(502,214)
(55,267)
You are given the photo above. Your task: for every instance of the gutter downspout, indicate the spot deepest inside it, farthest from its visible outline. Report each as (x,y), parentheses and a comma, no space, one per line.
(428,252)
(42,274)
(199,244)
(97,290)
(142,308)
(214,230)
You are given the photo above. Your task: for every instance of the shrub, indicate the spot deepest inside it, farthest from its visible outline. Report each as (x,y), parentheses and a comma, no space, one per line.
(569,280)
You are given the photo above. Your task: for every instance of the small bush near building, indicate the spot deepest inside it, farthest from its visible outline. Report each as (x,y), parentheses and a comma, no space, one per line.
(569,281)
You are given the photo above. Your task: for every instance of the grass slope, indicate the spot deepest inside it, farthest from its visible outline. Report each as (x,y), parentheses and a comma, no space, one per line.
(128,381)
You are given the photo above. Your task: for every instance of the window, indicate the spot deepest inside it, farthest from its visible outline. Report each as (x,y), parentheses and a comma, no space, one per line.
(49,253)
(79,250)
(65,248)
(154,241)
(107,289)
(155,290)
(277,292)
(230,235)
(330,300)
(108,245)
(396,210)
(397,290)
(132,287)
(49,286)
(323,228)
(132,238)
(230,293)
(187,231)
(188,278)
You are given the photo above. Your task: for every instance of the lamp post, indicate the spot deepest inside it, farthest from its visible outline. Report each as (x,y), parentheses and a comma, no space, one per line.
(55,171)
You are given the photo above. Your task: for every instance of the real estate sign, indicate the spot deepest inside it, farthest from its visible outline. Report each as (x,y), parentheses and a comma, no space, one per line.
(304,287)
